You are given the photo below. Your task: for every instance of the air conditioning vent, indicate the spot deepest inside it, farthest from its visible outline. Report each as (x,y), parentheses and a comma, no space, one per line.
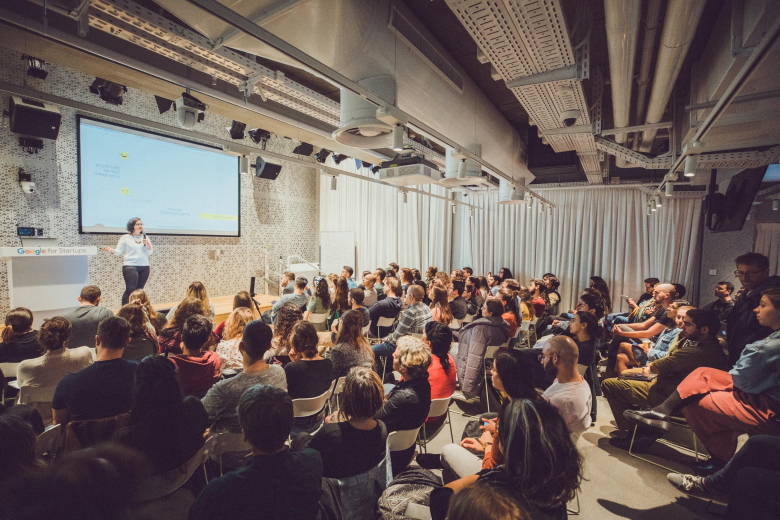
(401,27)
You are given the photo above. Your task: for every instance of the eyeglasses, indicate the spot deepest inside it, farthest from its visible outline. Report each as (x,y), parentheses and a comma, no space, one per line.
(742,274)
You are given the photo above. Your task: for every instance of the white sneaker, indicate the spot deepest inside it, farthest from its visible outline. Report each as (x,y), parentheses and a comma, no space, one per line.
(692,484)
(458,396)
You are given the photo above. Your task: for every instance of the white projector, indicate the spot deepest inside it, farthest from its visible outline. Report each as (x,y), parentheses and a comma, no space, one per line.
(409,171)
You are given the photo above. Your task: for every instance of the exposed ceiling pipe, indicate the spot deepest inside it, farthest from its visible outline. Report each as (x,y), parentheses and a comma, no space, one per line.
(682,19)
(622,21)
(652,22)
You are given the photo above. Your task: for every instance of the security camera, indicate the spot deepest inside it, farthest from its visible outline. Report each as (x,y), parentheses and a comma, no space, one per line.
(189,110)
(569,117)
(27,186)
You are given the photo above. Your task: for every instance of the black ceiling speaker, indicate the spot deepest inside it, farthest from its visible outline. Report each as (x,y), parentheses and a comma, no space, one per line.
(266,170)
(34,118)
(237,130)
(304,149)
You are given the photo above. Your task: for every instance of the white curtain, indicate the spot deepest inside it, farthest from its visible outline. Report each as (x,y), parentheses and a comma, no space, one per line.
(594,231)
(415,234)
(768,244)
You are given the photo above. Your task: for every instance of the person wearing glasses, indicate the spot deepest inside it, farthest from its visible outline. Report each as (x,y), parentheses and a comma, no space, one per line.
(742,326)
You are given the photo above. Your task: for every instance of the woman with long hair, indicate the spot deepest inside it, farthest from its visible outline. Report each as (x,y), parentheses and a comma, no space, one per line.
(430,274)
(407,278)
(526,308)
(417,275)
(484,288)
(143,342)
(163,426)
(20,341)
(512,315)
(539,300)
(242,299)
(169,338)
(287,317)
(230,358)
(319,303)
(340,303)
(440,305)
(154,320)
(598,283)
(198,291)
(442,279)
(441,373)
(308,374)
(504,274)
(352,348)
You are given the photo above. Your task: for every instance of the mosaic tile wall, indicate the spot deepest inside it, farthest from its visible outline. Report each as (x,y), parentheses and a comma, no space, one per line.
(280,215)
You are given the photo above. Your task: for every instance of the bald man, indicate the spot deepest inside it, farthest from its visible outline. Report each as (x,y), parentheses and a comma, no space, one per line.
(569,393)
(411,320)
(663,295)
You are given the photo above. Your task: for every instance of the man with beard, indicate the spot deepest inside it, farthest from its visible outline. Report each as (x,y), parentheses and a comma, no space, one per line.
(700,349)
(569,393)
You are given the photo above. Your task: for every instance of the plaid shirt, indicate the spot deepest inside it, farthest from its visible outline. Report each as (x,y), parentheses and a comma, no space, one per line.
(412,320)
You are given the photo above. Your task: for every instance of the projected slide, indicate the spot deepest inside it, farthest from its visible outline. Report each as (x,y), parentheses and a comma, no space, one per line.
(175,187)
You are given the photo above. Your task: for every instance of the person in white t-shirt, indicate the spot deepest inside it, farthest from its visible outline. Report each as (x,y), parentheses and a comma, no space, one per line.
(136,248)
(569,393)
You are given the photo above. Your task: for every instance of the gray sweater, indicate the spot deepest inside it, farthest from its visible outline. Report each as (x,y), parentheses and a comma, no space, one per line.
(84,321)
(345,356)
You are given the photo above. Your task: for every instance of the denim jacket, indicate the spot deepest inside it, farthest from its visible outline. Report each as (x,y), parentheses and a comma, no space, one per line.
(758,369)
(661,347)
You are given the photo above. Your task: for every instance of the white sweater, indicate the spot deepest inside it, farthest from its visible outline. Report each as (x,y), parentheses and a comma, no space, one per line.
(135,254)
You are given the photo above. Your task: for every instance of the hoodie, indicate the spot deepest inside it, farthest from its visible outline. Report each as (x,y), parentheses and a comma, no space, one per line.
(742,326)
(197,374)
(390,307)
(475,338)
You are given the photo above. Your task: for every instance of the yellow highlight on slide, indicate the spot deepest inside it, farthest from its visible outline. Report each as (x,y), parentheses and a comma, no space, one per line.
(214,216)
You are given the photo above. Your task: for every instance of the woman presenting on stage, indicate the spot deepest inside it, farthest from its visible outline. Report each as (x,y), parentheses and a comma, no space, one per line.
(136,248)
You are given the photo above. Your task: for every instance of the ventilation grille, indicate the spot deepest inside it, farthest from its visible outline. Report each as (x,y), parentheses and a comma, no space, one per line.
(422,47)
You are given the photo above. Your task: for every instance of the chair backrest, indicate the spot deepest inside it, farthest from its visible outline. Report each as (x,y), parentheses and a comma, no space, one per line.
(469,318)
(9,369)
(366,329)
(385,322)
(455,325)
(402,439)
(339,385)
(312,405)
(439,406)
(94,353)
(224,442)
(157,486)
(36,394)
(318,318)
(48,441)
(490,352)
(582,369)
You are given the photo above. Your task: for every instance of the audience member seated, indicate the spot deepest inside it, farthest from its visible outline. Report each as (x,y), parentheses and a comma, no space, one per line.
(440,307)
(430,274)
(388,305)
(298,297)
(569,392)
(20,341)
(669,339)
(700,349)
(470,296)
(155,320)
(352,348)
(163,426)
(319,303)
(379,285)
(169,338)
(198,291)
(441,373)
(407,278)
(17,450)
(411,320)
(198,369)
(539,299)
(474,339)
(512,313)
(720,406)
(742,325)
(287,317)
(347,273)
(103,389)
(340,303)
(526,308)
(511,376)
(56,362)
(407,405)
(442,279)
(552,283)
(369,292)
(287,283)
(356,303)
(750,479)
(85,318)
(308,375)
(598,283)
(542,468)
(484,289)
(242,299)
(222,399)
(633,305)
(723,303)
(275,483)
(230,359)
(650,283)
(458,304)
(143,341)
(638,353)
(484,502)
(356,444)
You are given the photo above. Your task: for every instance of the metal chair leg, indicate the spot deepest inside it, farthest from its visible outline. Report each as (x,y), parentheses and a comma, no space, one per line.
(450,423)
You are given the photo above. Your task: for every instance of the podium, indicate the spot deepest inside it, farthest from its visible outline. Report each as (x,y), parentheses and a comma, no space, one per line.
(46,279)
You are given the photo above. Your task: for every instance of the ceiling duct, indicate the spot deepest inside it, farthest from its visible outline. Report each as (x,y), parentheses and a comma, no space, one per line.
(359,126)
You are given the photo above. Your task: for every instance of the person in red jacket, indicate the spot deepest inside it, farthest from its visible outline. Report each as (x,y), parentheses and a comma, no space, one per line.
(198,370)
(441,373)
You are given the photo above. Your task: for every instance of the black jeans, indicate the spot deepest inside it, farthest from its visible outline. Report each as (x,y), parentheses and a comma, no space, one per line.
(135,278)
(760,451)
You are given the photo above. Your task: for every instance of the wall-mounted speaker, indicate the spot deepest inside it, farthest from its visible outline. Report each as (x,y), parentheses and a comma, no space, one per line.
(34,118)
(267,170)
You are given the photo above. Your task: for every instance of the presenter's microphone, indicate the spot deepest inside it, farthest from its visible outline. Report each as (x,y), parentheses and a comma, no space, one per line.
(144,235)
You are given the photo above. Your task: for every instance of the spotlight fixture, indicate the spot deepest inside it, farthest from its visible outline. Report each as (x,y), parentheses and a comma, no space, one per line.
(471,212)
(454,209)
(775,204)
(243,165)
(338,158)
(657,199)
(398,138)
(462,169)
(108,91)
(531,201)
(669,189)
(690,166)
(36,67)
(333,184)
(259,135)
(189,110)
(304,149)
(406,197)
(237,130)
(647,210)
(322,155)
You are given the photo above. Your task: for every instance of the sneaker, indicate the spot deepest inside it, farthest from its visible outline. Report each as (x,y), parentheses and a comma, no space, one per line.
(458,396)
(689,483)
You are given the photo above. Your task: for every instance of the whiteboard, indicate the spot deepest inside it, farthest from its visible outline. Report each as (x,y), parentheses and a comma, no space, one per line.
(337,249)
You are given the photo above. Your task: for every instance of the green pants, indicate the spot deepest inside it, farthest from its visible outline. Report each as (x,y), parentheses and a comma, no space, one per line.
(623,394)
